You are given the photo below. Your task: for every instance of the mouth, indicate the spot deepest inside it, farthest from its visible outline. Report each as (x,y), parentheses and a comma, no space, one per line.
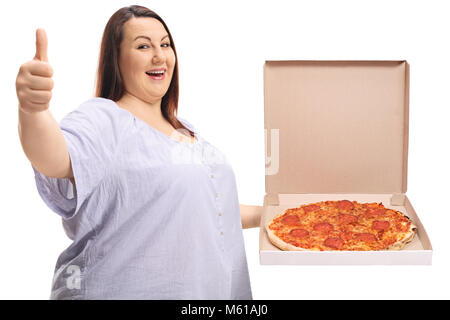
(157,74)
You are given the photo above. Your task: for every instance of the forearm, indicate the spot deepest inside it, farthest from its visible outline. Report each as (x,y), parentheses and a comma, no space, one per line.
(250,216)
(43,143)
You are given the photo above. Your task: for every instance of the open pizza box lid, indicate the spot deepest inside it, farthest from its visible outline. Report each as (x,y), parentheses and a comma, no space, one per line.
(337,130)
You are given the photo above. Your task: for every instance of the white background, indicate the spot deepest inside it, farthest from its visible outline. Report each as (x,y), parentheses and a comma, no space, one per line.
(221,49)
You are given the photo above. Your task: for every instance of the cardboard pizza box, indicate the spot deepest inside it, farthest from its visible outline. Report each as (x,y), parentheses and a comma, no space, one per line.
(338,130)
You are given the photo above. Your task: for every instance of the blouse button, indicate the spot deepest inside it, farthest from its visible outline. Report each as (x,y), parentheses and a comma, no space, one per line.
(220,214)
(217,195)
(221,233)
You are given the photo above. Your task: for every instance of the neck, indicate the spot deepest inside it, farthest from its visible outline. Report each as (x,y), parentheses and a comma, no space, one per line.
(145,108)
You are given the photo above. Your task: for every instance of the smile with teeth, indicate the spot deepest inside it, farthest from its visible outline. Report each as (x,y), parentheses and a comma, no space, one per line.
(156,75)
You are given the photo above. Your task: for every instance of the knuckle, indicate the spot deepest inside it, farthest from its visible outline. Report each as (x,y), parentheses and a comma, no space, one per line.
(29,64)
(46,69)
(24,69)
(19,82)
(50,70)
(25,65)
(20,94)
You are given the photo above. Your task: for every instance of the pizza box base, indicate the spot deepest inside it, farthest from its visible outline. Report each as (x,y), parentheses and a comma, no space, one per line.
(417,252)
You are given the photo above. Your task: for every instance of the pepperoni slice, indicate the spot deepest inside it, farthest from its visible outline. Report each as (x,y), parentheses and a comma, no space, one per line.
(299,233)
(366,237)
(347,218)
(291,220)
(334,242)
(311,207)
(347,235)
(375,212)
(380,225)
(345,205)
(323,226)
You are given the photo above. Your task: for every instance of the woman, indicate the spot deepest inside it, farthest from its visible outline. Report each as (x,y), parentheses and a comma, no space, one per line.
(151,206)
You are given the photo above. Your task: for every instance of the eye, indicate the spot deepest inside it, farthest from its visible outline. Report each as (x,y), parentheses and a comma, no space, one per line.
(144,46)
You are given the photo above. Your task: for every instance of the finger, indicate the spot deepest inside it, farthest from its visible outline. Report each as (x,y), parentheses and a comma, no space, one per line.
(41,45)
(39,68)
(40,83)
(39,96)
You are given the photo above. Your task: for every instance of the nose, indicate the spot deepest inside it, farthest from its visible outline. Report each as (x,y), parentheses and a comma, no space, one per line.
(158,56)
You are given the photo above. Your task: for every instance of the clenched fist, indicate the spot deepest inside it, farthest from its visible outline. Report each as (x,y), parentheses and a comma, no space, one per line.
(34,81)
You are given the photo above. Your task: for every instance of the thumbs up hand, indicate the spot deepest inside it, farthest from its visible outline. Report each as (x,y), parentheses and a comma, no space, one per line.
(34,81)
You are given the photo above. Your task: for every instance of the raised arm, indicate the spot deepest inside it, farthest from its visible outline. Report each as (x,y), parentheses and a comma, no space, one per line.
(40,135)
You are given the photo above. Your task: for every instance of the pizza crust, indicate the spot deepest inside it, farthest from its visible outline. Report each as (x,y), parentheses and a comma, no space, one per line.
(280,243)
(407,239)
(276,241)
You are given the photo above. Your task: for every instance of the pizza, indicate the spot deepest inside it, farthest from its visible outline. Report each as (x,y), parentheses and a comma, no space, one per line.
(340,225)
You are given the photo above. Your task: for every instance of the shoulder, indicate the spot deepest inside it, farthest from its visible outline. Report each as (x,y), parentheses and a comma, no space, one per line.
(97,111)
(95,116)
(97,106)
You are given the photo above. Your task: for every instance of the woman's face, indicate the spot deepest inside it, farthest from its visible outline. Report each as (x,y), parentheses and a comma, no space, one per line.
(146,46)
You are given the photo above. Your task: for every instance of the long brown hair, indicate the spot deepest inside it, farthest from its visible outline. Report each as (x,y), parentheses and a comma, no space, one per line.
(110,84)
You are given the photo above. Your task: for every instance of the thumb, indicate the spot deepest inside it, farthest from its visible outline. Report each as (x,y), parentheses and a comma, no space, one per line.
(41,45)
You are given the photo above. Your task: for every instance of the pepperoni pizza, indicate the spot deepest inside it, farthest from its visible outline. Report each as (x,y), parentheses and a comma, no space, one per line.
(340,225)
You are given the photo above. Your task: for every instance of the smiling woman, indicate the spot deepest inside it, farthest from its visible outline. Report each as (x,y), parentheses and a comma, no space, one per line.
(151,216)
(128,54)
